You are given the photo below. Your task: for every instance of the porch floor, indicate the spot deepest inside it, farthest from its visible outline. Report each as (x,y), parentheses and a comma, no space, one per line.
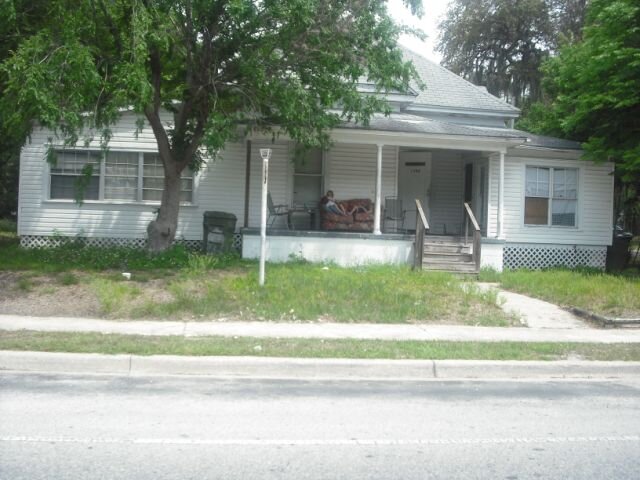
(325,234)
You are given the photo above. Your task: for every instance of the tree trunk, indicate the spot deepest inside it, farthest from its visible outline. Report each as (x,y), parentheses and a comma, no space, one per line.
(162,230)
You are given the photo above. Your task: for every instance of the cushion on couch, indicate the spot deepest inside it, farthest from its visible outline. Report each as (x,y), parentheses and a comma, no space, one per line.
(359,221)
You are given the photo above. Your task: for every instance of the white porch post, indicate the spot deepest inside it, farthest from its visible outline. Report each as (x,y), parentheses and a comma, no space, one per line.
(501,198)
(376,214)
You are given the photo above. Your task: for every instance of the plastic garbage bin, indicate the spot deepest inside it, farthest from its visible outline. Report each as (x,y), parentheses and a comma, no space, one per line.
(618,253)
(217,231)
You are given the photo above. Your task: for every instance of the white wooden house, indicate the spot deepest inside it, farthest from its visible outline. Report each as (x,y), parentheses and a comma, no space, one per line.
(536,202)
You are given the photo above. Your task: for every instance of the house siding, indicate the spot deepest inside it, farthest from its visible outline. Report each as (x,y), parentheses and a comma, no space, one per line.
(493,196)
(595,203)
(350,171)
(220,186)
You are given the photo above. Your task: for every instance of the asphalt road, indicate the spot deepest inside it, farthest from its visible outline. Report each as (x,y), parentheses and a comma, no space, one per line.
(107,427)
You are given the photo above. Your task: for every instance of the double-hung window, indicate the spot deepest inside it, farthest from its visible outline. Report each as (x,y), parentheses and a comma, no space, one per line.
(121,176)
(307,178)
(66,174)
(551,196)
(153,180)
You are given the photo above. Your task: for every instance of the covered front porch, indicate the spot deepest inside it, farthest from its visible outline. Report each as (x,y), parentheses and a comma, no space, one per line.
(456,176)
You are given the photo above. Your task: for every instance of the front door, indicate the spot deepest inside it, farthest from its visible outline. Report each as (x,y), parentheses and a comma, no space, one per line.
(414,181)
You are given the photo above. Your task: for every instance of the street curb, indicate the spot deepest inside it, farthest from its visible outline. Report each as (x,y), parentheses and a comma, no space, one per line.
(311,368)
(604,321)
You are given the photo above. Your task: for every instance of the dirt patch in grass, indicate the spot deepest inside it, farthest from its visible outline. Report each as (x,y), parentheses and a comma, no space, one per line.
(46,295)
(95,295)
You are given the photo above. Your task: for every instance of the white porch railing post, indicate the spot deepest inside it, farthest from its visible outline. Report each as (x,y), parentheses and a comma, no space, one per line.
(501,198)
(376,214)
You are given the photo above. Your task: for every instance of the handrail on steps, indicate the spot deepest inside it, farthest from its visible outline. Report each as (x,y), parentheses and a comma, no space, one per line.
(477,237)
(422,227)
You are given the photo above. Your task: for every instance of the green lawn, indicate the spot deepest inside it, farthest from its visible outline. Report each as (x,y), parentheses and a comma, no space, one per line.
(606,294)
(304,292)
(311,348)
(180,284)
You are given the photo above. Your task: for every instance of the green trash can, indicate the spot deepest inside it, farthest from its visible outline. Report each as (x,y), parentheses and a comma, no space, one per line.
(217,231)
(618,254)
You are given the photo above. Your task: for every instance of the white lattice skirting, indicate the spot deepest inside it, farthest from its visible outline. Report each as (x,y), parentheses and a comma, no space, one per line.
(546,256)
(43,241)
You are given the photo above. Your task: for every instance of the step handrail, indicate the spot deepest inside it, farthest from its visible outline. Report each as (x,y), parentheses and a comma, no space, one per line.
(477,236)
(422,227)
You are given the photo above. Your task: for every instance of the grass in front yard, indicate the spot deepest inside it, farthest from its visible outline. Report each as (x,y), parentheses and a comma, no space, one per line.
(308,292)
(311,348)
(606,294)
(180,284)
(74,255)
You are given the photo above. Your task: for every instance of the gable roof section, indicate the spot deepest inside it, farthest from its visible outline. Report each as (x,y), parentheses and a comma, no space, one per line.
(445,89)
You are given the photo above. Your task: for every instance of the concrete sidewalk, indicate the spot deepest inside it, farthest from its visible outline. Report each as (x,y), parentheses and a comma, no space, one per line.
(366,331)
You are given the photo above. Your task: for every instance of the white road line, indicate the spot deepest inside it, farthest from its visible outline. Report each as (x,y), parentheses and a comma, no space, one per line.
(317,442)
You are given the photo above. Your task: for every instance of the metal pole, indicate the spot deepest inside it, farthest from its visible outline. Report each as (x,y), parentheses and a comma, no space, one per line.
(265,153)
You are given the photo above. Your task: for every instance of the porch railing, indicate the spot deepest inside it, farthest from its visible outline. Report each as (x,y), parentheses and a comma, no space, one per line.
(477,237)
(422,227)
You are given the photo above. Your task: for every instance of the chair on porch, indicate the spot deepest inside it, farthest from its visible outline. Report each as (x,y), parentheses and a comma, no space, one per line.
(276,211)
(394,215)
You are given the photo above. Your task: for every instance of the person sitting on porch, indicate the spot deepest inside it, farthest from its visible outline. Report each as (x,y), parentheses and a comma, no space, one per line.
(328,202)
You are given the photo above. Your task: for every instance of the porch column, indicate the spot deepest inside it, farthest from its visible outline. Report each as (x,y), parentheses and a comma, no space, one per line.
(376,214)
(501,198)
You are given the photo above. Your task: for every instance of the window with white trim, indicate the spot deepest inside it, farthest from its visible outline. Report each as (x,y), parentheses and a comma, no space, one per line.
(153,180)
(67,173)
(308,177)
(551,196)
(123,176)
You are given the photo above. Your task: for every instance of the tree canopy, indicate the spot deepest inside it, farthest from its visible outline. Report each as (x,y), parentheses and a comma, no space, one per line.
(502,43)
(216,65)
(594,90)
(21,18)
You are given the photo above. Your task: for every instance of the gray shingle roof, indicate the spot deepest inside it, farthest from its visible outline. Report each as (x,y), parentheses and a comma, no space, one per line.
(549,142)
(401,122)
(446,89)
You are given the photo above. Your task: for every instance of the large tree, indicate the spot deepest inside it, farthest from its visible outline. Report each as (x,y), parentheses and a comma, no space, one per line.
(21,18)
(218,66)
(594,91)
(502,43)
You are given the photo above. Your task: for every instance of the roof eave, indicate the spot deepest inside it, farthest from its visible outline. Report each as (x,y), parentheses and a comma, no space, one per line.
(436,140)
(472,112)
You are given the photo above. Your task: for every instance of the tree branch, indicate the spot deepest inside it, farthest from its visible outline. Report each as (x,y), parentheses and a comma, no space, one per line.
(152,112)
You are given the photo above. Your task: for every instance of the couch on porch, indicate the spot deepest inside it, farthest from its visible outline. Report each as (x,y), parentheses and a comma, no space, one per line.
(360,221)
